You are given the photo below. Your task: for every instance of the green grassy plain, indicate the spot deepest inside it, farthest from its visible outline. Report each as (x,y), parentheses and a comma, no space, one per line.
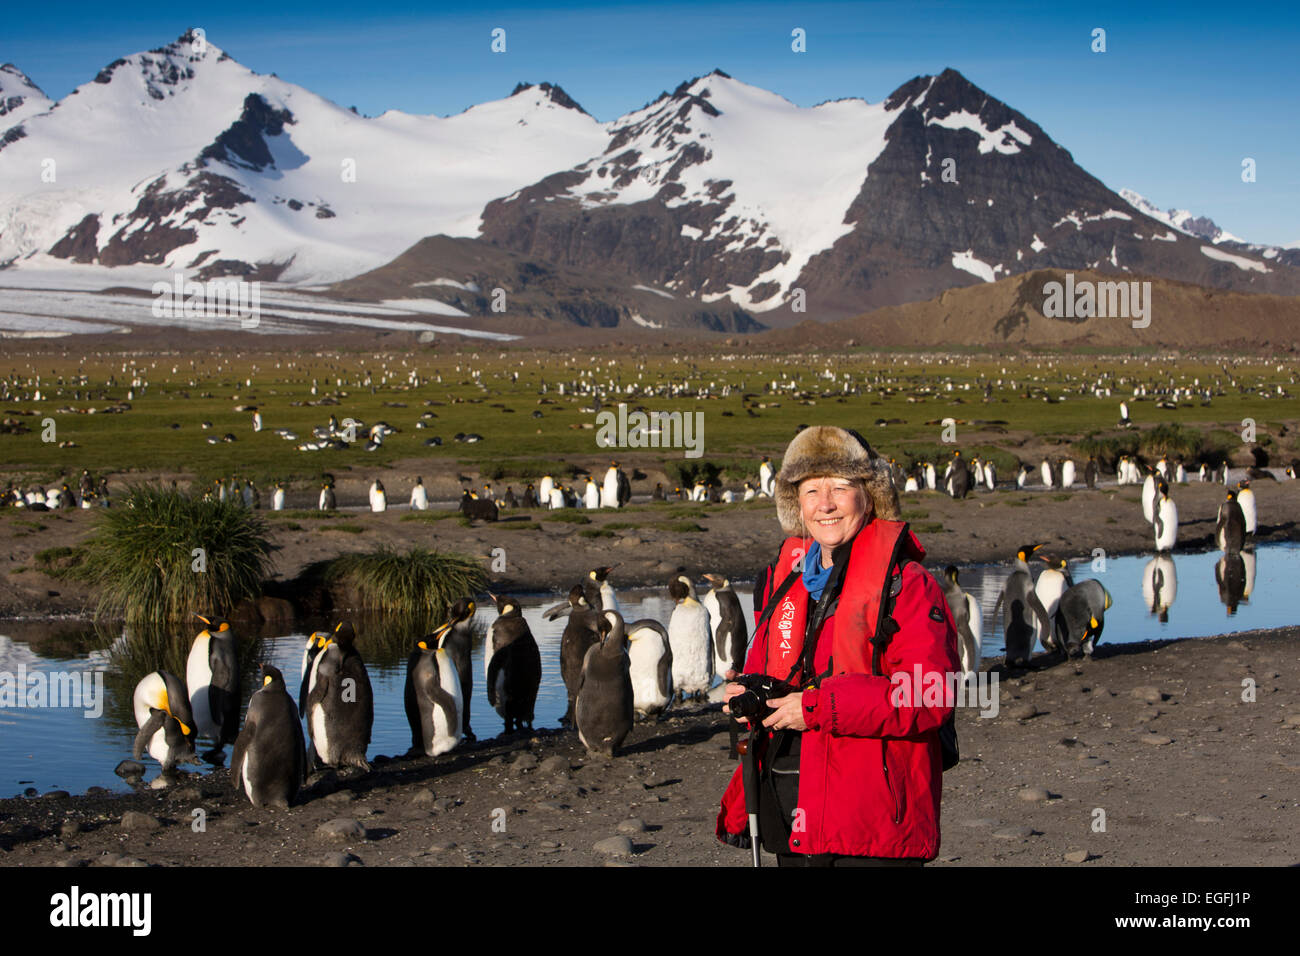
(495,393)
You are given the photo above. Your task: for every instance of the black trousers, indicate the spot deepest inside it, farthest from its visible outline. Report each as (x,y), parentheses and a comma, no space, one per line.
(833,859)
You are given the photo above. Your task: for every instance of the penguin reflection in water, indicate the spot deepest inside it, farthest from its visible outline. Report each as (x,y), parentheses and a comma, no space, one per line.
(269,762)
(340,704)
(162,712)
(433,696)
(513,665)
(604,710)
(212,674)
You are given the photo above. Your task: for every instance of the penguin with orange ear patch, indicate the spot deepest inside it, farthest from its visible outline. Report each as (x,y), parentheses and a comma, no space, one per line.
(433,696)
(162,712)
(269,762)
(212,675)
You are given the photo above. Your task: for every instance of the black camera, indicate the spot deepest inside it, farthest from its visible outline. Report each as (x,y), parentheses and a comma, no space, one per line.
(759,689)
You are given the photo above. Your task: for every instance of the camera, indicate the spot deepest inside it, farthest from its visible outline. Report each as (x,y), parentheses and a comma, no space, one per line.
(759,689)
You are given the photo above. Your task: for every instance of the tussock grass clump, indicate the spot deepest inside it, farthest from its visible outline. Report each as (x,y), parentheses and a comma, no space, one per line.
(1173,440)
(419,583)
(142,556)
(61,562)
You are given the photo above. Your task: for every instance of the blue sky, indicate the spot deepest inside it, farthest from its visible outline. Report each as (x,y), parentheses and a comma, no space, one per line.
(1182,94)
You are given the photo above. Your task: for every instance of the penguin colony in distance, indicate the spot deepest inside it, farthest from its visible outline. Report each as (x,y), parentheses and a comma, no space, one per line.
(269,761)
(162,712)
(603,713)
(513,666)
(212,675)
(340,703)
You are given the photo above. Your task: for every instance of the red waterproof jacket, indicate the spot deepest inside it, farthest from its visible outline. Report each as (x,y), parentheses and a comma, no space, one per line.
(870,770)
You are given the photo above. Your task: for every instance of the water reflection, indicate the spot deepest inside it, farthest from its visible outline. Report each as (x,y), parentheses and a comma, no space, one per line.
(59,748)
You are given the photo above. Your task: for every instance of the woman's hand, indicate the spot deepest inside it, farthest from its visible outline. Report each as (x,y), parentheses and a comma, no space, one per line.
(730,691)
(787,713)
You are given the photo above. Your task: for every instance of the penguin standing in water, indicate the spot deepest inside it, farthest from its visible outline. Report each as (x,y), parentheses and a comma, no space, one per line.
(1047,473)
(650,657)
(604,710)
(1246,500)
(580,635)
(1081,617)
(456,637)
(419,497)
(692,644)
(1230,529)
(730,632)
(514,666)
(1166,523)
(433,697)
(327,501)
(969,619)
(162,712)
(269,762)
(212,675)
(340,704)
(1067,472)
(1024,616)
(1022,476)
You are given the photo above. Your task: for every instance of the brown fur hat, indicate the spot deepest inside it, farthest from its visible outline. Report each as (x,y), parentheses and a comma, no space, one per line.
(824,450)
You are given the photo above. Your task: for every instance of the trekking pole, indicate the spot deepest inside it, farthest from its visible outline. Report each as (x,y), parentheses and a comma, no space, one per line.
(749,777)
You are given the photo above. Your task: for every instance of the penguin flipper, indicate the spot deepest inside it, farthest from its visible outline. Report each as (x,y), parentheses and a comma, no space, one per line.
(411,705)
(151,727)
(237,755)
(494,668)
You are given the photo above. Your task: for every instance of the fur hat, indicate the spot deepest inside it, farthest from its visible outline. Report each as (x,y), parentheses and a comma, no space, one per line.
(824,450)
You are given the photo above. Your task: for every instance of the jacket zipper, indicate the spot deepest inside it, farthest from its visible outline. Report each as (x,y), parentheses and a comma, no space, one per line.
(884,765)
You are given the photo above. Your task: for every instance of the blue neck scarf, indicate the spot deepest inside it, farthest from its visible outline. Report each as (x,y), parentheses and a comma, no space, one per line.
(814,575)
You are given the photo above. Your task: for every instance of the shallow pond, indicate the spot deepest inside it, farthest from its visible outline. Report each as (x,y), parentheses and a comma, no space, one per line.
(73,747)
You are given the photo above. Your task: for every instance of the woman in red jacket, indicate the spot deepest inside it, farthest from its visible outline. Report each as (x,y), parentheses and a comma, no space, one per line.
(852,772)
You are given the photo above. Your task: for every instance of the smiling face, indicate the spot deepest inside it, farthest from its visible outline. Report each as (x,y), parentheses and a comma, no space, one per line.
(833,511)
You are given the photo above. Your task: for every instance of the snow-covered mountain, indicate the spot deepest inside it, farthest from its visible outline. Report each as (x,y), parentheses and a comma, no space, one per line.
(719,193)
(720,189)
(19,97)
(197,160)
(1180,219)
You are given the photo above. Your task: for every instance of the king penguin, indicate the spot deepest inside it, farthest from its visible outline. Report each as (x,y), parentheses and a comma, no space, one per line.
(1230,529)
(457,638)
(316,641)
(650,659)
(277,499)
(340,705)
(1150,496)
(600,593)
(378,497)
(1081,617)
(688,634)
(730,632)
(327,501)
(1024,616)
(433,697)
(162,712)
(1246,499)
(766,478)
(419,497)
(212,675)
(1166,523)
(1051,584)
(580,634)
(603,713)
(969,619)
(269,762)
(514,666)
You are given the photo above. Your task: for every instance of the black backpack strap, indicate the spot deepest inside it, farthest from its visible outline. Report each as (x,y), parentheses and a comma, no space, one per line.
(886,626)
